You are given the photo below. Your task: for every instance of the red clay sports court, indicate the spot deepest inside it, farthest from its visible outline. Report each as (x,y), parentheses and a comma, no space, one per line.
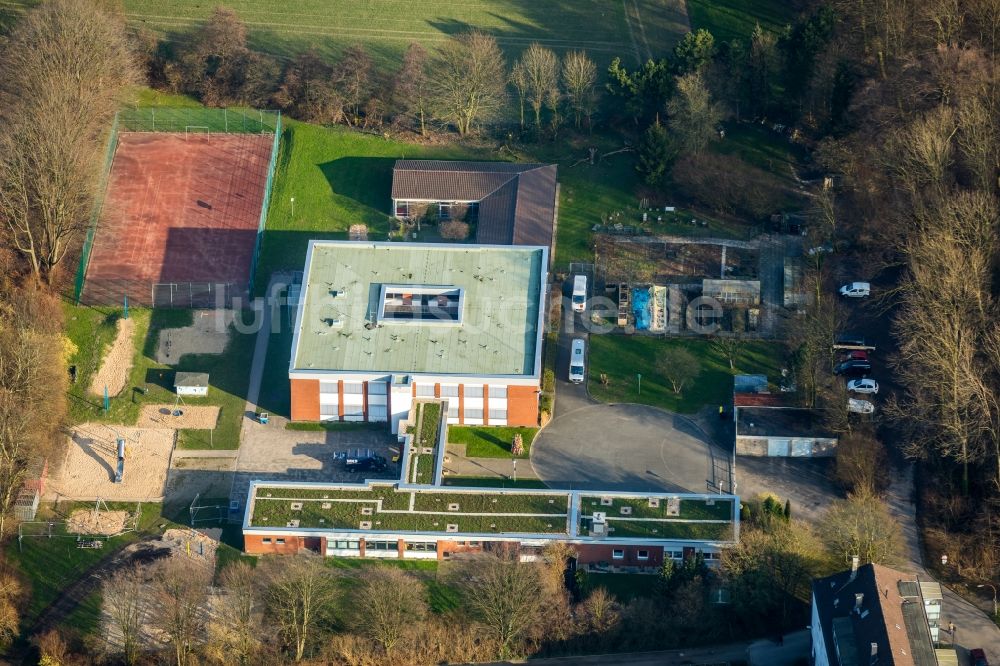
(181,212)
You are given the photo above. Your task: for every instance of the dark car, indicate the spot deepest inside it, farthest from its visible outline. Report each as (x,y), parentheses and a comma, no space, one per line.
(362,460)
(853,368)
(978,657)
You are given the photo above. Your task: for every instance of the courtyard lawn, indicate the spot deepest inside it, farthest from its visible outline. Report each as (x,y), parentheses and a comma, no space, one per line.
(735,19)
(490,441)
(621,358)
(92,330)
(625,587)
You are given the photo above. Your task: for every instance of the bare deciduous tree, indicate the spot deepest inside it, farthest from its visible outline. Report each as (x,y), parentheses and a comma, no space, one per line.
(125,598)
(468,80)
(693,115)
(519,79)
(353,75)
(602,611)
(300,593)
(65,65)
(409,89)
(179,594)
(236,631)
(861,525)
(579,78)
(503,593)
(541,74)
(678,366)
(387,605)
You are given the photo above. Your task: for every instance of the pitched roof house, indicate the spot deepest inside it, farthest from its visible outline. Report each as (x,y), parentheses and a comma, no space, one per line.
(515,203)
(874,615)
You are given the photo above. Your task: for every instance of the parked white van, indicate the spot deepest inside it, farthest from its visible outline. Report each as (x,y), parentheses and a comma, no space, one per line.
(856,290)
(576,360)
(580,293)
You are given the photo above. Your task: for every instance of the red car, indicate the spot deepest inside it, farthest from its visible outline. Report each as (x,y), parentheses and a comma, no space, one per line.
(856,355)
(978,657)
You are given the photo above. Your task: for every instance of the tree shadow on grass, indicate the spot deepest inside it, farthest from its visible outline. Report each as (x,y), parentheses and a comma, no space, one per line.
(366,180)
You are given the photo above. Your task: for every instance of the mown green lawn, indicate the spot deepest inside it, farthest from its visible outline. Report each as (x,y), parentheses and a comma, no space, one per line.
(621,358)
(93,331)
(735,19)
(490,482)
(490,441)
(625,587)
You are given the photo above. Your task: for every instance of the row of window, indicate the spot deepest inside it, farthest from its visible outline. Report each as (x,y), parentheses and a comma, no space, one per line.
(451,391)
(279,541)
(495,414)
(423,390)
(619,554)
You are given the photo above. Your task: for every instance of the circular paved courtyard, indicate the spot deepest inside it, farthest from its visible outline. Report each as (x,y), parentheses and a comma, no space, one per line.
(628,447)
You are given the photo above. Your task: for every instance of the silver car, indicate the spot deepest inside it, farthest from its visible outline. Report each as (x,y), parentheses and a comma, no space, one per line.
(865,386)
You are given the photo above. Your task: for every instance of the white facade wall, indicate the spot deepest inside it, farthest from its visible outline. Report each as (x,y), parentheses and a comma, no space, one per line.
(819,656)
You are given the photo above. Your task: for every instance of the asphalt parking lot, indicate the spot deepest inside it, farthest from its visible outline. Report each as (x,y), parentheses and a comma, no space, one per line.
(624,446)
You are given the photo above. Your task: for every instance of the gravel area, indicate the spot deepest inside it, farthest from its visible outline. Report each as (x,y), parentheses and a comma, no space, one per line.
(209,334)
(162,416)
(88,468)
(116,366)
(84,521)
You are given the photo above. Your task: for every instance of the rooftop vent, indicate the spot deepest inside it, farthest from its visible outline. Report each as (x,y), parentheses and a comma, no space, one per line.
(859,598)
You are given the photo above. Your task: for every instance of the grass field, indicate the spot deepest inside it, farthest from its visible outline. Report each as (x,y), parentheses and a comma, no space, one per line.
(735,19)
(490,441)
(605,28)
(93,331)
(623,357)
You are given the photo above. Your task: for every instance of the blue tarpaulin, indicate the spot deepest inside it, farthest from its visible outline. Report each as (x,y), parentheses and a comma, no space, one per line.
(642,308)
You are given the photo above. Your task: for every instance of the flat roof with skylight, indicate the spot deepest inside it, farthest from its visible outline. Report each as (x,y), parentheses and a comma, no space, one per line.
(430,308)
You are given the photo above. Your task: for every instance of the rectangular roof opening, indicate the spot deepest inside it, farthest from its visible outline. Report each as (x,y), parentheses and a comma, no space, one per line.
(420,304)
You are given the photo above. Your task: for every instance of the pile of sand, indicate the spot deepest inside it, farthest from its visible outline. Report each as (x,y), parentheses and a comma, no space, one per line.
(358,232)
(190,543)
(87,470)
(84,521)
(162,416)
(117,365)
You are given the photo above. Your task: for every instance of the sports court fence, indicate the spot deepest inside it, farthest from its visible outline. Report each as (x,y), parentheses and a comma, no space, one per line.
(189,120)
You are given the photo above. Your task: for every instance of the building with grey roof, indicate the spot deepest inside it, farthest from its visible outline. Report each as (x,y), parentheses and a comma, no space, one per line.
(512,204)
(380,324)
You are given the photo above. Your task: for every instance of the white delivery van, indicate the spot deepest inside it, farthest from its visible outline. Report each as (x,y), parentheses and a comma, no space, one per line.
(576,362)
(580,293)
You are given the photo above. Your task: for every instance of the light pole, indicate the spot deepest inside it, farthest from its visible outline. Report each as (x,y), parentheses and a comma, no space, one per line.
(992,587)
(293,206)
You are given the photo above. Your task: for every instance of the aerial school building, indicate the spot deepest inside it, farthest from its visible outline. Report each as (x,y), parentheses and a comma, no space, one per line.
(380,325)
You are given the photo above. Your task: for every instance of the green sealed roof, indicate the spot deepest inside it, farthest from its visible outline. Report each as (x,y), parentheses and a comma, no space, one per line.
(339,327)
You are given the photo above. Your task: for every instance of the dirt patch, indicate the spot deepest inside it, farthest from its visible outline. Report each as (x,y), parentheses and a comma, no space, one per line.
(209,334)
(358,232)
(116,366)
(88,468)
(163,416)
(85,521)
(192,544)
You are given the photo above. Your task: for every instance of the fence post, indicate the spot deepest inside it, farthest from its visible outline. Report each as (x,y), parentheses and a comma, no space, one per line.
(225,119)
(152,113)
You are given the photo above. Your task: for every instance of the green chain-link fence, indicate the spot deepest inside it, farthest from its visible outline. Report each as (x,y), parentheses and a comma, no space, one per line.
(88,241)
(265,203)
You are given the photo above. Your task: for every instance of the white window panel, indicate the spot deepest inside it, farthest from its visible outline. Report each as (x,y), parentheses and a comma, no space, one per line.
(473,413)
(449,390)
(498,392)
(473,391)
(328,387)
(498,414)
(377,413)
(453,409)
(377,388)
(376,399)
(425,390)
(353,387)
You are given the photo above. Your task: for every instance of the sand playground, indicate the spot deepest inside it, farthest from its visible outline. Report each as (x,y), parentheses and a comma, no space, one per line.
(105,523)
(88,469)
(190,417)
(117,365)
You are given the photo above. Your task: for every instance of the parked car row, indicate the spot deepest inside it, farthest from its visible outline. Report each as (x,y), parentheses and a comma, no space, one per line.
(855,359)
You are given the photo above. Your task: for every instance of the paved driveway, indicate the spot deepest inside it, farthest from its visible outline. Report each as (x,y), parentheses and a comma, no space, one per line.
(620,447)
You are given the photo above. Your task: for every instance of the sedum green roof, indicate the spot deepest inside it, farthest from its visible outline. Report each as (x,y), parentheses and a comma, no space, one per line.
(502,287)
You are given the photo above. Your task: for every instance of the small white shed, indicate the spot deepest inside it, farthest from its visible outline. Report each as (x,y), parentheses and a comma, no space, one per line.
(191,383)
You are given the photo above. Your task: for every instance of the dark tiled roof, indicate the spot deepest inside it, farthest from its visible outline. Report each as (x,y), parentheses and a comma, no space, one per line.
(888,618)
(516,201)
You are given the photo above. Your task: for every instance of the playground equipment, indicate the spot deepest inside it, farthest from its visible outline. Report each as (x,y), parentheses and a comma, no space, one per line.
(263,418)
(121,461)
